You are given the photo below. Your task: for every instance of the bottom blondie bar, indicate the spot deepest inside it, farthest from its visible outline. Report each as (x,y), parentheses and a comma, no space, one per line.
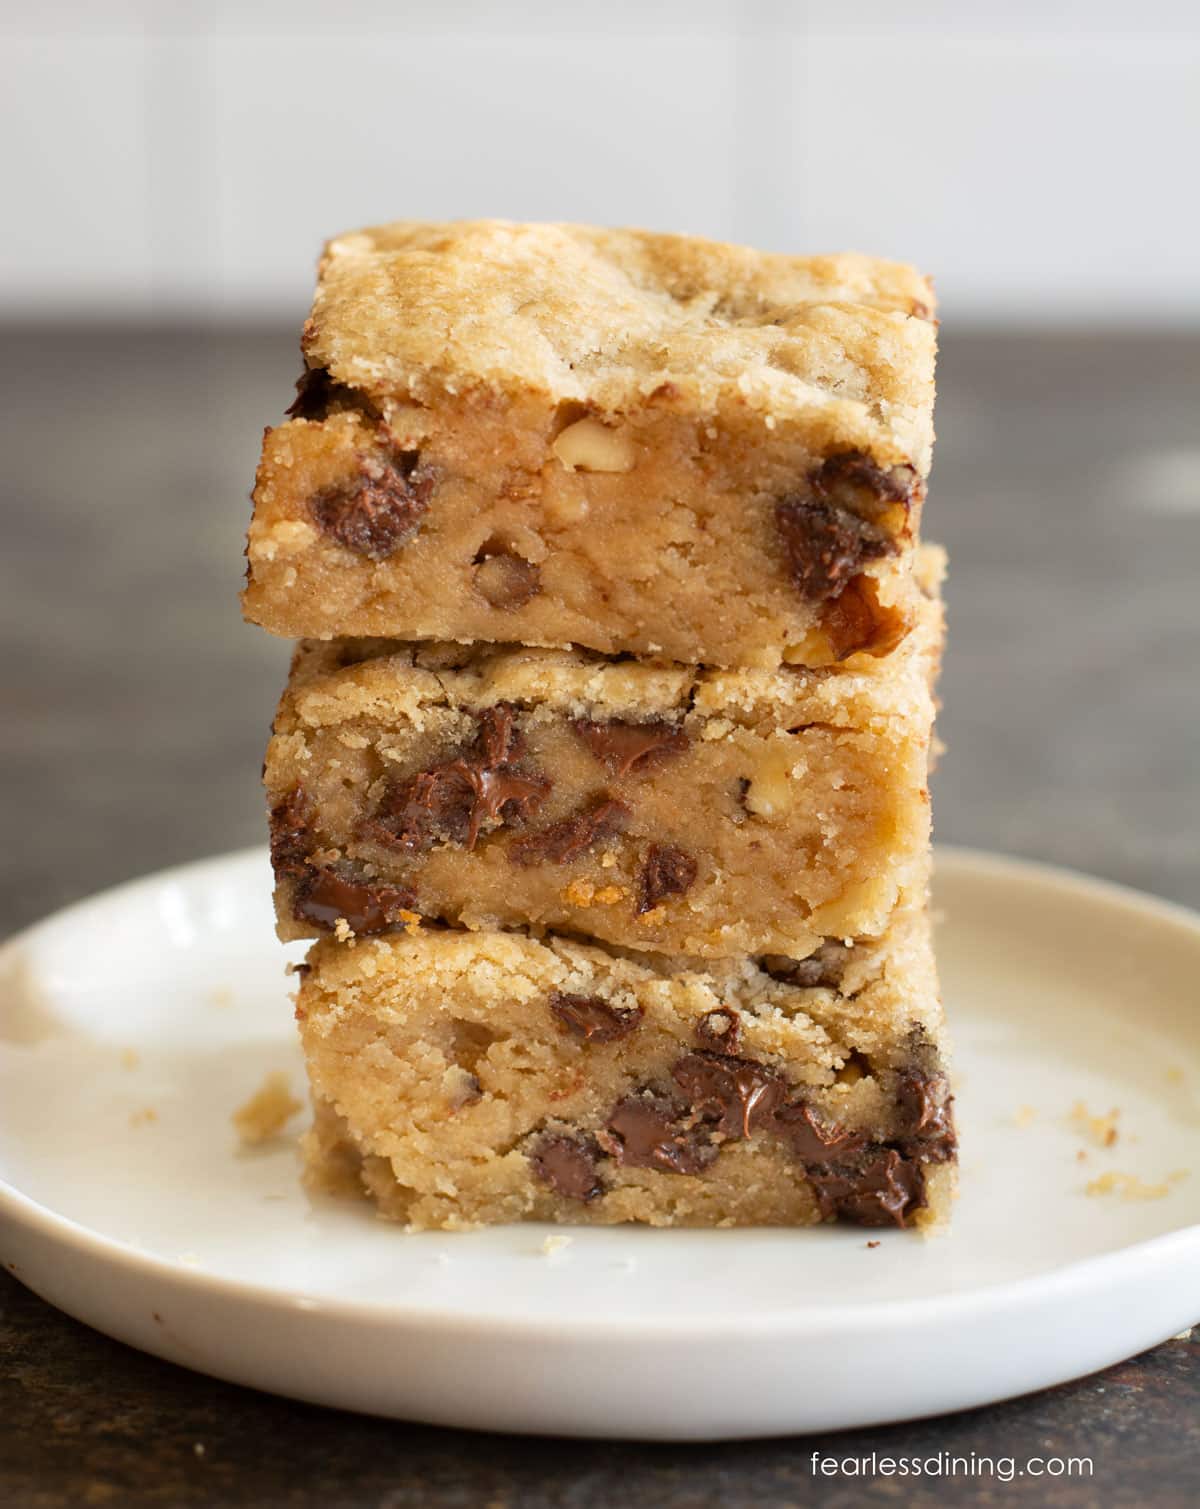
(467,1078)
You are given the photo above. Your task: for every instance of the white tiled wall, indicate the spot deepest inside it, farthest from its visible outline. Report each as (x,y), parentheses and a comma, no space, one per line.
(1040,159)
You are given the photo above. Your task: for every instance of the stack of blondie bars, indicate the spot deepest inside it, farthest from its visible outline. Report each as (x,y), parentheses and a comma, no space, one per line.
(601,772)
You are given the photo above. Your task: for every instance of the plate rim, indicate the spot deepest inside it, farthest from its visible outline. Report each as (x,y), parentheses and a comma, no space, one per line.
(1091,1274)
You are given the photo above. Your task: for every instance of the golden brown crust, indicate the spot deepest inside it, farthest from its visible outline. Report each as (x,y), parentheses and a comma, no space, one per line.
(605,318)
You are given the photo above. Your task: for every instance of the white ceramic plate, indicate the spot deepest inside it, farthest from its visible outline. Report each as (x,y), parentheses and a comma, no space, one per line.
(132,1025)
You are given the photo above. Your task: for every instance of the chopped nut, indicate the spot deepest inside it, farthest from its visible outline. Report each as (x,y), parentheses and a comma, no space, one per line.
(772,790)
(589,446)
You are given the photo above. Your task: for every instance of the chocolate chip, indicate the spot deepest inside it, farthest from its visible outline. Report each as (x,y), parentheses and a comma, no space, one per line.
(326,893)
(739,1094)
(814,1140)
(720,1031)
(879,1189)
(666,871)
(572,836)
(507,581)
(622,747)
(291,834)
(594,1019)
(318,395)
(379,510)
(652,1131)
(451,802)
(567,1165)
(852,480)
(821,970)
(825,546)
(926,1130)
(501,796)
(430,807)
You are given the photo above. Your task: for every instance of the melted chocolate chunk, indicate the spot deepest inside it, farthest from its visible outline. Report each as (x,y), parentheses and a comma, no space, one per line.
(653,1131)
(498,740)
(379,510)
(666,871)
(316,392)
(850,479)
(823,969)
(826,547)
(739,1094)
(594,1019)
(926,1120)
(506,581)
(291,834)
(878,1189)
(451,802)
(430,807)
(720,1031)
(813,1140)
(501,796)
(572,836)
(567,1165)
(621,747)
(326,892)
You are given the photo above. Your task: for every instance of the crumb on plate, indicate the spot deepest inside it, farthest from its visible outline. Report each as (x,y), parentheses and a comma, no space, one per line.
(1130,1187)
(1101,1129)
(267,1111)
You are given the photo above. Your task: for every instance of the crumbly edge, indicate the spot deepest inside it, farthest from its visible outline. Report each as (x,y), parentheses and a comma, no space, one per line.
(388,986)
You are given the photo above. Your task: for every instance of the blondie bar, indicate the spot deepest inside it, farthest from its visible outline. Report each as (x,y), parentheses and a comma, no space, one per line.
(636,443)
(669,808)
(467,1078)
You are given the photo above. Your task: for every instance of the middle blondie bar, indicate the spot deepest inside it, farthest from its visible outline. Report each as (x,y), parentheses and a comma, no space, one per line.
(670,808)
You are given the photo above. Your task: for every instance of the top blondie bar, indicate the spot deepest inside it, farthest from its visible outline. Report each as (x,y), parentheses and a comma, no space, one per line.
(636,443)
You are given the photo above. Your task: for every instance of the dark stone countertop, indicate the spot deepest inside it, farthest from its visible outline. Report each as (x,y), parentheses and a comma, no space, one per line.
(135,711)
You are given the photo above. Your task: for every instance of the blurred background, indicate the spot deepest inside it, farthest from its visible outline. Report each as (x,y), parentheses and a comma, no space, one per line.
(172,168)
